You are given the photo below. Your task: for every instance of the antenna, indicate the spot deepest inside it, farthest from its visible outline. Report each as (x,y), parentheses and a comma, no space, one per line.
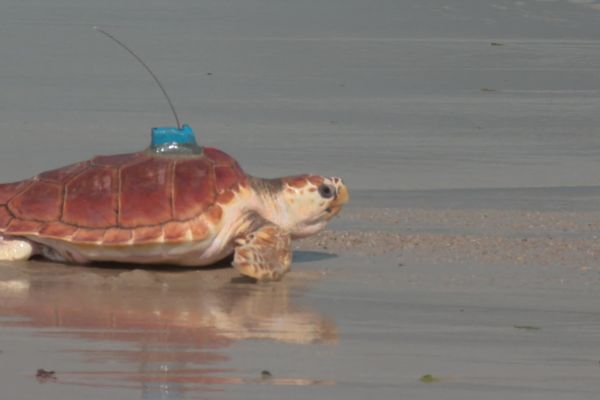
(123,45)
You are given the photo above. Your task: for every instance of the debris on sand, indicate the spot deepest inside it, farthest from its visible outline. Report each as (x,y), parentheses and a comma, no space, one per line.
(266,374)
(527,327)
(44,376)
(429,379)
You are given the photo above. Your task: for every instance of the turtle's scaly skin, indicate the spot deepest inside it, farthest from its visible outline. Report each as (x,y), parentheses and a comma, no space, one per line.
(124,200)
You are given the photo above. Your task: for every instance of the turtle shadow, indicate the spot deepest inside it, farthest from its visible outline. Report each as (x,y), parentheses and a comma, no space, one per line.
(299,257)
(243,280)
(222,264)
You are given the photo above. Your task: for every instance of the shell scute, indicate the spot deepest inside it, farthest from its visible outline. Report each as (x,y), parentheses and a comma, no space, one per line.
(117,236)
(5,216)
(193,188)
(9,190)
(148,234)
(200,230)
(145,197)
(218,157)
(226,197)
(58,230)
(214,214)
(41,201)
(118,160)
(91,199)
(63,174)
(88,236)
(176,231)
(228,173)
(226,178)
(21,227)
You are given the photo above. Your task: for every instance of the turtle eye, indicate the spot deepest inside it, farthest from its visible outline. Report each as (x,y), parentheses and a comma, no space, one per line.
(326,191)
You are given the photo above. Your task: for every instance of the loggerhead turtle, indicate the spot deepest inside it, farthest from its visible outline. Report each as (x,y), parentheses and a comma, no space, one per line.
(173,203)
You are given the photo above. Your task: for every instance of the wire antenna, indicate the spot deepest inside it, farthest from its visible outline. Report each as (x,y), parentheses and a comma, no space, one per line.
(123,45)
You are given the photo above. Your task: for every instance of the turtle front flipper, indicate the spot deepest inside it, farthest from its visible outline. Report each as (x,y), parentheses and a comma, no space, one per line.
(264,254)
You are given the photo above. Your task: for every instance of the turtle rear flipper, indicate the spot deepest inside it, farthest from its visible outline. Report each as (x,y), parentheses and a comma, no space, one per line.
(15,249)
(264,254)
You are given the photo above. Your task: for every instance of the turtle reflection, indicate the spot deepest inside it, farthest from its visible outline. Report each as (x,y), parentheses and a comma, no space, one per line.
(176,328)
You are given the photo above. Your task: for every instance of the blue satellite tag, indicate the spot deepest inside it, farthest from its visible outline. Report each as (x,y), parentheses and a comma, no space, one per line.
(172,140)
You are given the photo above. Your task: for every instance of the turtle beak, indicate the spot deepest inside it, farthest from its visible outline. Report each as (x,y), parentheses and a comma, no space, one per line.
(341,198)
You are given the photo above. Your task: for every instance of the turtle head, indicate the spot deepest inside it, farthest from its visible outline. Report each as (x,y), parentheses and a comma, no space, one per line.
(302,205)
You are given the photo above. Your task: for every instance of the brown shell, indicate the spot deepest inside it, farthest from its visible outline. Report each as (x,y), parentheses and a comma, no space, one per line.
(124,199)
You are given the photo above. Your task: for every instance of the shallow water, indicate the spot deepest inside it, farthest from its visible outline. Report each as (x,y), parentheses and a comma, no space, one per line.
(159,334)
(350,327)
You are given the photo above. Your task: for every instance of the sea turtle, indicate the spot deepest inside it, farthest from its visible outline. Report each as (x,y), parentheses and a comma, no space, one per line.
(173,203)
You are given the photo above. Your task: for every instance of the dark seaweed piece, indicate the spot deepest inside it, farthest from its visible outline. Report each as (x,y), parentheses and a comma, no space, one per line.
(45,376)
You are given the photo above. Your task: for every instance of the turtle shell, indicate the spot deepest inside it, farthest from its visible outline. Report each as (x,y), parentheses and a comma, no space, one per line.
(124,199)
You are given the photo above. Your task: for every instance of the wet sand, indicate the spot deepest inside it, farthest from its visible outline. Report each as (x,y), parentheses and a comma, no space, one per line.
(493,304)
(465,266)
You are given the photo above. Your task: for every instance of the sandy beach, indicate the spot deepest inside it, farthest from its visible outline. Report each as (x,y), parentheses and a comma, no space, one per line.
(466,265)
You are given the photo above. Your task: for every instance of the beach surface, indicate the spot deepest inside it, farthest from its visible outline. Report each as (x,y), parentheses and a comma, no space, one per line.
(466,265)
